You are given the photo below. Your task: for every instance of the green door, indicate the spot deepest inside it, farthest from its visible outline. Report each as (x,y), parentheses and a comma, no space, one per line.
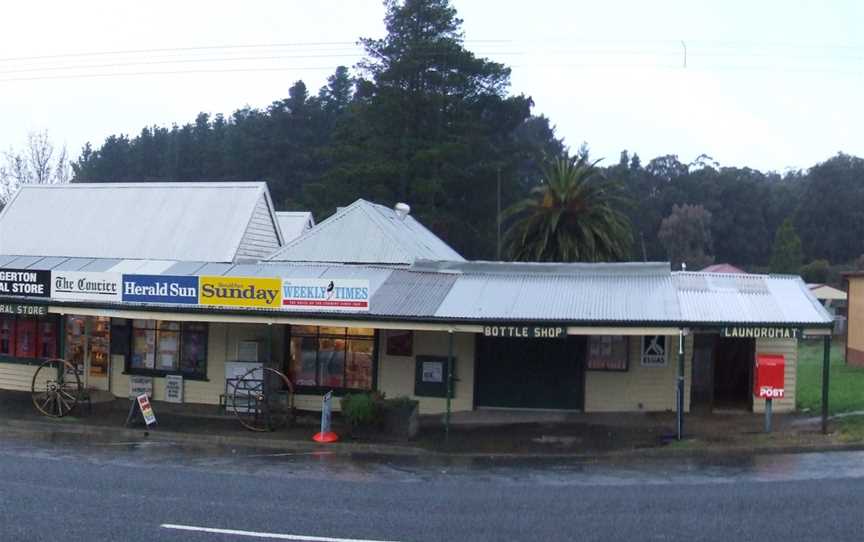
(531,373)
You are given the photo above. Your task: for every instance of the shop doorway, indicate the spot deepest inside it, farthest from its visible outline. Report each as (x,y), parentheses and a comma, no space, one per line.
(88,349)
(531,373)
(733,373)
(722,373)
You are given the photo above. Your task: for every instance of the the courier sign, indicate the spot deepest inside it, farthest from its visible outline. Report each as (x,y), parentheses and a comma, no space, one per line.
(525,332)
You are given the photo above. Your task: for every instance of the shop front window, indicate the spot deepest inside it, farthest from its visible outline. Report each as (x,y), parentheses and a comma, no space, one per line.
(28,338)
(332,357)
(608,353)
(161,347)
(7,336)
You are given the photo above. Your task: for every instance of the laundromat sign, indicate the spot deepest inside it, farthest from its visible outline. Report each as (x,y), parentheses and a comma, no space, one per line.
(760,332)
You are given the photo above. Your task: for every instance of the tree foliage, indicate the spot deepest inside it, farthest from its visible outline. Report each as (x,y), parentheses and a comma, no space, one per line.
(786,256)
(573,216)
(686,236)
(39,162)
(424,120)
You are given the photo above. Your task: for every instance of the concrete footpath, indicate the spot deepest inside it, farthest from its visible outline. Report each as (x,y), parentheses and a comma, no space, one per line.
(472,434)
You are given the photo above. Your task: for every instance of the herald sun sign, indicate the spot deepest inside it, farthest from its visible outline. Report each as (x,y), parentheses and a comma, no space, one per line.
(769,376)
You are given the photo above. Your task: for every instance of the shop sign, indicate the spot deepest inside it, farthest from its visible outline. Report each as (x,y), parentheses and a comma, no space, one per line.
(654,351)
(760,332)
(174,388)
(526,332)
(85,286)
(332,294)
(146,410)
(23,310)
(25,283)
(169,289)
(240,292)
(140,385)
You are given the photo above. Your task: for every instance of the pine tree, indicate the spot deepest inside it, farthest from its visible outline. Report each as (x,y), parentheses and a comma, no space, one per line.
(786,256)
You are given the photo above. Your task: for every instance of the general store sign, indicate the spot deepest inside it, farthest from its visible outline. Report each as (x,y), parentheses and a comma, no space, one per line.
(329,294)
(84,286)
(526,332)
(265,293)
(25,283)
(760,332)
(181,290)
(23,310)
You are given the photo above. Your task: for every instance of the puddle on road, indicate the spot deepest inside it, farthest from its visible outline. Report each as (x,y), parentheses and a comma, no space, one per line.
(325,464)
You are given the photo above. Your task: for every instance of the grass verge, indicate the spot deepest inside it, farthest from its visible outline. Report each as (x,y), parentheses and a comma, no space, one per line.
(846,384)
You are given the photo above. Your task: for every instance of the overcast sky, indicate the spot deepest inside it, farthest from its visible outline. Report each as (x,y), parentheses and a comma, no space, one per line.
(767,84)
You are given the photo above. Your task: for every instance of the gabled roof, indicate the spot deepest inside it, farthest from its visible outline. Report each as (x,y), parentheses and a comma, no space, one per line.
(827,292)
(191,221)
(294,223)
(365,232)
(758,299)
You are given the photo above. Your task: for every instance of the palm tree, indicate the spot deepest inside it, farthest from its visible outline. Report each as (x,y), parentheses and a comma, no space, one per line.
(572,216)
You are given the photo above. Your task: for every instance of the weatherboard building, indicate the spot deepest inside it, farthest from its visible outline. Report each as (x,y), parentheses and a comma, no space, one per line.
(136,282)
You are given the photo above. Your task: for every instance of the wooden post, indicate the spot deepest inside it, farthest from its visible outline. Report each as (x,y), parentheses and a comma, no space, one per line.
(826,371)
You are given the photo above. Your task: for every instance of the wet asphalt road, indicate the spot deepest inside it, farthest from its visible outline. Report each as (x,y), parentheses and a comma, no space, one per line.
(63,488)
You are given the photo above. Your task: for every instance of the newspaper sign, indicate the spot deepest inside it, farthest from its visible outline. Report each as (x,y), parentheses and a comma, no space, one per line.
(326,412)
(146,410)
(174,388)
(140,385)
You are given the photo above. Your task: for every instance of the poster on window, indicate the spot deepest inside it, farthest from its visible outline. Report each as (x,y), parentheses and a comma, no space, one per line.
(654,351)
(400,343)
(433,372)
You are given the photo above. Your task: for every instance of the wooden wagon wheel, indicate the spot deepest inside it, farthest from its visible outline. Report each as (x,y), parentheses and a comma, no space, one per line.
(56,388)
(263,399)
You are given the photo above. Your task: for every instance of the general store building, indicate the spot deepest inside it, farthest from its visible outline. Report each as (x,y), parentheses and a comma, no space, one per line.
(126,271)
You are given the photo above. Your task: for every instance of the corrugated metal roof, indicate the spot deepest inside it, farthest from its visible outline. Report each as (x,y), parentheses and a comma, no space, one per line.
(365,232)
(410,293)
(756,299)
(561,292)
(294,224)
(159,221)
(637,293)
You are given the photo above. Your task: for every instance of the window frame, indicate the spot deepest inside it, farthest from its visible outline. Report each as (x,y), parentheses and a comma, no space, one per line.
(347,337)
(37,358)
(128,369)
(606,368)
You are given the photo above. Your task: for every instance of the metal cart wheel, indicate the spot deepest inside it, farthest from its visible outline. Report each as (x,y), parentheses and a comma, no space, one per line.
(56,388)
(263,400)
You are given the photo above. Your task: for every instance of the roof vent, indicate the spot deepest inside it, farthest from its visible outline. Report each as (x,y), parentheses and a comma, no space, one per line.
(402,210)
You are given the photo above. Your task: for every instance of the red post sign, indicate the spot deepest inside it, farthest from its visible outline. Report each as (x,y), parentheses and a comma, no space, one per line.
(769,377)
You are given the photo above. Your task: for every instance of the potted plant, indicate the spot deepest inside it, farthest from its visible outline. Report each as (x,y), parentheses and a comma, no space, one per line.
(362,412)
(401,417)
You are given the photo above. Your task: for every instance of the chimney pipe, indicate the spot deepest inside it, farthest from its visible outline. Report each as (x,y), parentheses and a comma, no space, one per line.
(402,210)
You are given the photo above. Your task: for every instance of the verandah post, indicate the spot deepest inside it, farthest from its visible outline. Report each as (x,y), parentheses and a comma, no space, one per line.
(449,384)
(826,370)
(679,388)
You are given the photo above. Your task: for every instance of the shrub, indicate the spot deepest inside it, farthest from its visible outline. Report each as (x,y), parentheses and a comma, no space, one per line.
(816,271)
(360,409)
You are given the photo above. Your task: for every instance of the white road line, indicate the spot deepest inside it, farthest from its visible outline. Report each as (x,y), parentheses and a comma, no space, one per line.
(273,536)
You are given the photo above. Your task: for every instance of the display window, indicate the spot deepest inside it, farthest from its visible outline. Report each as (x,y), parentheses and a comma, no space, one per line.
(335,358)
(160,347)
(7,336)
(28,338)
(608,353)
